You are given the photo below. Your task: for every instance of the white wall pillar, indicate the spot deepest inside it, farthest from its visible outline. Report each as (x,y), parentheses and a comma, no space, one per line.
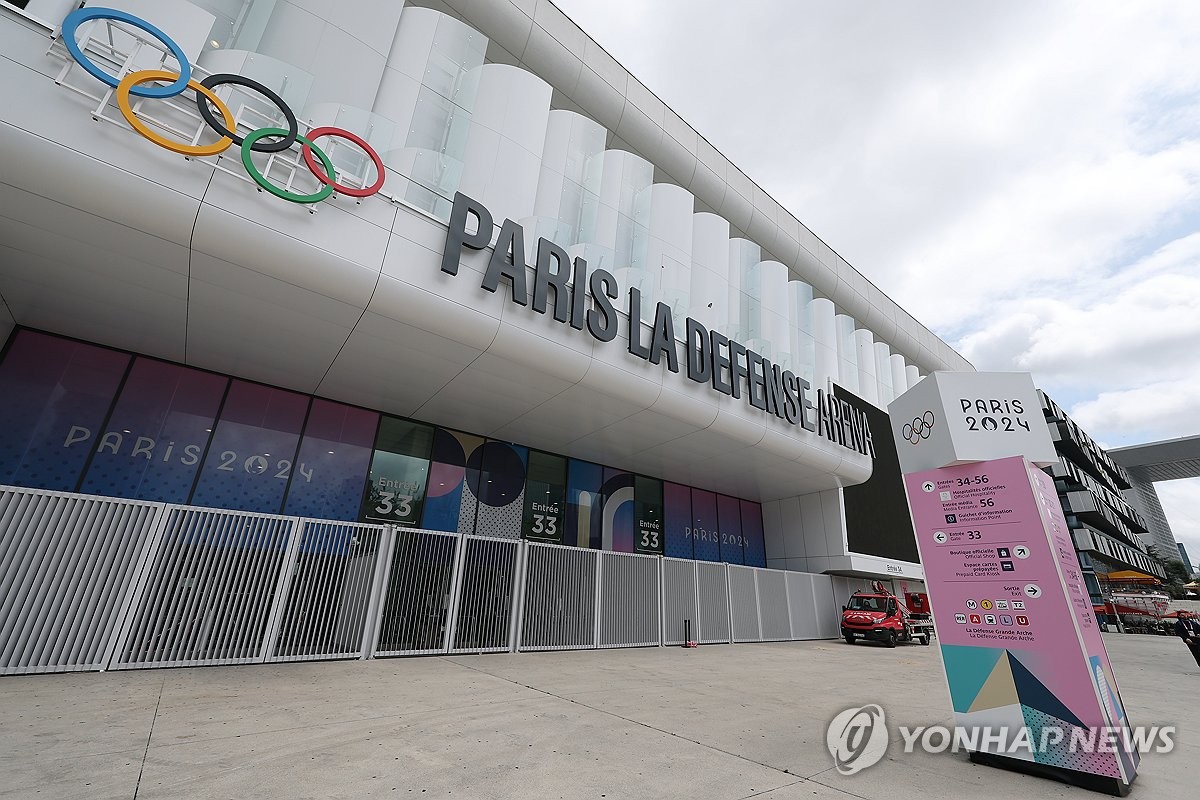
(868,381)
(743,255)
(825,366)
(503,152)
(708,302)
(847,350)
(800,296)
(608,226)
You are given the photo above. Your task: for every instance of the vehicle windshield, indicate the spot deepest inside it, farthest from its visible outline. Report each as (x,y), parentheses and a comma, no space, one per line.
(860,603)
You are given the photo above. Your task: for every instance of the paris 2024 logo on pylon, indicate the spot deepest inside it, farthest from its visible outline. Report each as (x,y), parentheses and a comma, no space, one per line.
(857,738)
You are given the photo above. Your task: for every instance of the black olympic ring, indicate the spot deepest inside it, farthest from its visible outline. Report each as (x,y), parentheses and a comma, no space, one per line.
(277,146)
(919,428)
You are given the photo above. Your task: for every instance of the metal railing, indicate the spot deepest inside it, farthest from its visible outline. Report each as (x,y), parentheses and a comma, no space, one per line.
(93,583)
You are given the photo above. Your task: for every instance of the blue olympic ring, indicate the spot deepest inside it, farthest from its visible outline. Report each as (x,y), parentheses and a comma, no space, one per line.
(70,28)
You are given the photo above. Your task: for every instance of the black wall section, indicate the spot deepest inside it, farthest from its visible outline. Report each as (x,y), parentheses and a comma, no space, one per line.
(877,518)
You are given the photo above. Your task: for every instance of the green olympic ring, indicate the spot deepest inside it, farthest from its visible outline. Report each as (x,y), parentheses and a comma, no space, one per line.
(261,179)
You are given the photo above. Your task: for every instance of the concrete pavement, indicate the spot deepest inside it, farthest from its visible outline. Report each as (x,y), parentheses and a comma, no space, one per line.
(717,722)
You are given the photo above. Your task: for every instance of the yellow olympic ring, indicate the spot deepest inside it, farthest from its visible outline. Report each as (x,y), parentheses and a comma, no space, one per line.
(147,75)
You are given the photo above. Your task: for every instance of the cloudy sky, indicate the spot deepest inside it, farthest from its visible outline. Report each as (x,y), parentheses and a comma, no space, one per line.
(1024,177)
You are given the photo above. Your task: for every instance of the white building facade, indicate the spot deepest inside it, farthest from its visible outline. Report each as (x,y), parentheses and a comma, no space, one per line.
(640,335)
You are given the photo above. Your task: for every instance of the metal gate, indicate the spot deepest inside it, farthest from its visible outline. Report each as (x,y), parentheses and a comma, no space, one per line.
(712,600)
(559,604)
(447,593)
(332,577)
(414,611)
(208,595)
(826,607)
(802,605)
(743,601)
(773,612)
(67,567)
(629,597)
(92,583)
(485,586)
(680,601)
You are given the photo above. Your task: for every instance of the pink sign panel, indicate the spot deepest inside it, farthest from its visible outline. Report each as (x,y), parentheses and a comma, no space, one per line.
(1019,640)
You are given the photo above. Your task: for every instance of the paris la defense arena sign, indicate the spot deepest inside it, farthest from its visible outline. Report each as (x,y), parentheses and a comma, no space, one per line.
(709,357)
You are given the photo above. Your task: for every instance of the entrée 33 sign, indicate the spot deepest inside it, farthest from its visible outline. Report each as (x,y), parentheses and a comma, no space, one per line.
(263,140)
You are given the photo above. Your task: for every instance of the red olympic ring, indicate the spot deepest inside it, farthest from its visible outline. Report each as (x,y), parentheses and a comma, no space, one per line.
(317,170)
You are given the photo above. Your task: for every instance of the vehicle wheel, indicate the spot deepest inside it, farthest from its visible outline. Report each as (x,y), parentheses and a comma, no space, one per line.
(849,640)
(891,639)
(925,639)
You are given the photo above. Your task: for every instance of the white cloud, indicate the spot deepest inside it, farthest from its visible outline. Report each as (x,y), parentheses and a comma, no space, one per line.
(1158,411)
(1024,177)
(1126,344)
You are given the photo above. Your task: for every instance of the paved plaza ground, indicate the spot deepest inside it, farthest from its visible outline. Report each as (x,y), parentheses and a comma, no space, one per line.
(716,722)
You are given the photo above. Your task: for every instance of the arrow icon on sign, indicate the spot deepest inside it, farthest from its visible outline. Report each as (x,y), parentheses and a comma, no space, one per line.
(940,537)
(1033,590)
(1021,551)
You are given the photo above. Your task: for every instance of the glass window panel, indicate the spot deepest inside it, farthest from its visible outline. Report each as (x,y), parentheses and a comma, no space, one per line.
(331,469)
(705,528)
(57,393)
(496,476)
(677,508)
(618,516)
(752,534)
(648,515)
(157,433)
(253,449)
(545,498)
(449,506)
(729,520)
(584,504)
(399,472)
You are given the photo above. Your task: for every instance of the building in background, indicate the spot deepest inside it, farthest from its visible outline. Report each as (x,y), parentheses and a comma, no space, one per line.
(1147,464)
(1107,530)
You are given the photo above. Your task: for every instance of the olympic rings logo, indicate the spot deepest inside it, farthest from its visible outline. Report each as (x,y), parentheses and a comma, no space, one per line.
(919,428)
(206,100)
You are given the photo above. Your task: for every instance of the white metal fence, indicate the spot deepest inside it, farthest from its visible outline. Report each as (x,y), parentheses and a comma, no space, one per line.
(92,583)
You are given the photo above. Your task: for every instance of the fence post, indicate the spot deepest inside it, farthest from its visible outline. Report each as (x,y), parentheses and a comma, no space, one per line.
(137,587)
(596,605)
(391,534)
(729,602)
(787,599)
(282,587)
(758,604)
(456,583)
(383,559)
(517,618)
(662,603)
